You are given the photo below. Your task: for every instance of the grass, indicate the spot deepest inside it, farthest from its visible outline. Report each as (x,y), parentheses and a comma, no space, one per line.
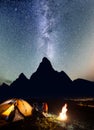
(33,123)
(45,124)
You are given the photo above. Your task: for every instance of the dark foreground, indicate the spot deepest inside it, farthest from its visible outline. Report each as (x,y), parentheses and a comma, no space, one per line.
(79,118)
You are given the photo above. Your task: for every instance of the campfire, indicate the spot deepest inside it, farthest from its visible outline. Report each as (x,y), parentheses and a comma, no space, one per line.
(63,115)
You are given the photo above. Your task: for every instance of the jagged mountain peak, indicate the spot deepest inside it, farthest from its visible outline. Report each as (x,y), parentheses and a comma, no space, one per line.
(45,59)
(4,85)
(45,65)
(22,76)
(65,76)
(46,72)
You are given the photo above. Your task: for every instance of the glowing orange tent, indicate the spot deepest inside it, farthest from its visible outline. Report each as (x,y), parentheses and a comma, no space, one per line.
(15,109)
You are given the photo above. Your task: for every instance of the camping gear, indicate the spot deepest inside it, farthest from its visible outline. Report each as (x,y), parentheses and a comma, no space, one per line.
(15,109)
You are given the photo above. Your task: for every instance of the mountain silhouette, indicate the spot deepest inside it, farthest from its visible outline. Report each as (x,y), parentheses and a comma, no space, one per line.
(45,66)
(21,80)
(19,87)
(46,82)
(49,81)
(83,88)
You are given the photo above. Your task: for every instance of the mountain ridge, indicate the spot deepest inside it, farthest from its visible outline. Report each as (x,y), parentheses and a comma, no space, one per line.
(47,82)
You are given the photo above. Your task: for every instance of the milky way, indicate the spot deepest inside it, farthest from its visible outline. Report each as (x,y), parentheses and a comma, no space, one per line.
(46,25)
(61,30)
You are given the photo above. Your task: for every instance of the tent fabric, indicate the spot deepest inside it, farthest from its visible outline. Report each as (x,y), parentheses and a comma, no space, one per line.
(4,107)
(15,109)
(18,116)
(8,111)
(10,101)
(24,107)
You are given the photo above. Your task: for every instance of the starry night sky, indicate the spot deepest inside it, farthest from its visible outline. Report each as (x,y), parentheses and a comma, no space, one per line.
(61,30)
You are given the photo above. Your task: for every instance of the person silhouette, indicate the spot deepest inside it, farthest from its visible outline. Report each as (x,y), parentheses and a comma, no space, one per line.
(45,107)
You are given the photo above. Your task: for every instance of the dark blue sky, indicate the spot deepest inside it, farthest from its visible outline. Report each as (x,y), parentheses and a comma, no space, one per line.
(62,30)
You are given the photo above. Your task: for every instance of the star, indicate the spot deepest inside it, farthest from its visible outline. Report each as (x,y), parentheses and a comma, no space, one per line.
(15,9)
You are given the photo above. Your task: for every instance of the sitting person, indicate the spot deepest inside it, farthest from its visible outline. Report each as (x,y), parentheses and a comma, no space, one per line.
(45,108)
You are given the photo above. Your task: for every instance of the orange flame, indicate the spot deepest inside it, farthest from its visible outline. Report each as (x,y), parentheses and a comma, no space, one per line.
(63,116)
